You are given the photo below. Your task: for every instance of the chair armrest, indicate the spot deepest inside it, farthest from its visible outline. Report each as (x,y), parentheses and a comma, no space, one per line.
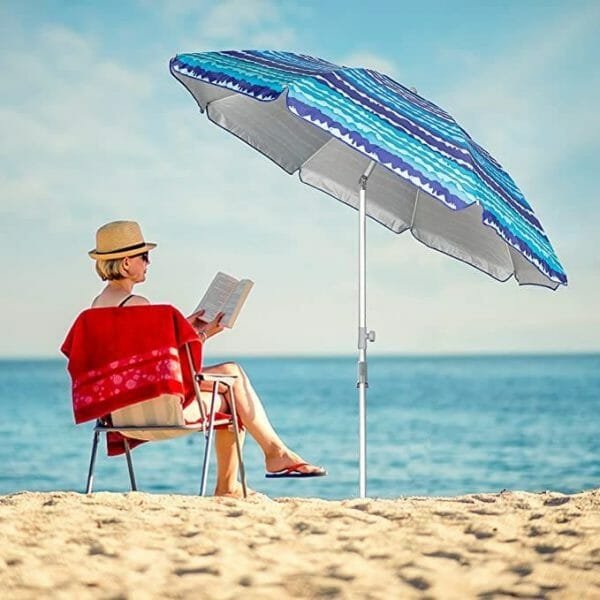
(216,377)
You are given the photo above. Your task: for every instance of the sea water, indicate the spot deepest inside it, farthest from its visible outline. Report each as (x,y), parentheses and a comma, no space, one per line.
(436,426)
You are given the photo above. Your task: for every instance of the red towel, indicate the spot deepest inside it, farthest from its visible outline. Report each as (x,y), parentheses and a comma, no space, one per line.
(123,355)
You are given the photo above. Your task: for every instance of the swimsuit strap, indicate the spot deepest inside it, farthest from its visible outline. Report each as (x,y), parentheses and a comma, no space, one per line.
(122,303)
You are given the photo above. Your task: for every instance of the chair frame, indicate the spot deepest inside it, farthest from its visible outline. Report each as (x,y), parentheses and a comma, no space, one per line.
(206,427)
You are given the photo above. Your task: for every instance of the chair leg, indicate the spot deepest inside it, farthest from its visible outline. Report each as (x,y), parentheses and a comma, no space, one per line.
(209,437)
(238,446)
(90,477)
(130,466)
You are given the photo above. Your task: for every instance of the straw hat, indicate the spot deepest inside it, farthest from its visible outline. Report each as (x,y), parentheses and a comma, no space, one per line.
(118,240)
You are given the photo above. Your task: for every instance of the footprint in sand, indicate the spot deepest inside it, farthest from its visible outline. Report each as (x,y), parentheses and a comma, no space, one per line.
(409,572)
(303,527)
(352,547)
(570,532)
(522,570)
(536,531)
(328,591)
(96,548)
(508,593)
(485,512)
(450,515)
(487,499)
(382,556)
(336,572)
(480,534)
(449,555)
(418,582)
(191,533)
(545,589)
(559,501)
(547,549)
(390,515)
(205,570)
(108,521)
(362,506)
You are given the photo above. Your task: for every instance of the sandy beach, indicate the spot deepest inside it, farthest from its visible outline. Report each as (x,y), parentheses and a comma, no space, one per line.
(138,545)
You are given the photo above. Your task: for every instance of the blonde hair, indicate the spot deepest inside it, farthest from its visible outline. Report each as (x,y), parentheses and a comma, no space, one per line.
(109,269)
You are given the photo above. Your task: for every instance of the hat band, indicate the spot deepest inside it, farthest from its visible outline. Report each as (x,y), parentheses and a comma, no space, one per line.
(125,249)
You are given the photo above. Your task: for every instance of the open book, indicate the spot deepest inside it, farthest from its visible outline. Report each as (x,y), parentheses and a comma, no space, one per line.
(225,294)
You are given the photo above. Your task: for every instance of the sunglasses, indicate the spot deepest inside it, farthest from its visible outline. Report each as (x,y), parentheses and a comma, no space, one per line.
(144,256)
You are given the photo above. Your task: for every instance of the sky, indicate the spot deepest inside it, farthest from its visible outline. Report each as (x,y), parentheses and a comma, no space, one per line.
(95,129)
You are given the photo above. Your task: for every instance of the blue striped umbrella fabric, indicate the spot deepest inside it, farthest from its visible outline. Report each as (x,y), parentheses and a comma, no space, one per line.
(328,122)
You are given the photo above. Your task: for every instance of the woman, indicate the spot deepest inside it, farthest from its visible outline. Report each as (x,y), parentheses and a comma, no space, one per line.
(122,259)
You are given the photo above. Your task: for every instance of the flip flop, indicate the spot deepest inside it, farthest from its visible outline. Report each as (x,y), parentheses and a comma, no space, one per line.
(293,471)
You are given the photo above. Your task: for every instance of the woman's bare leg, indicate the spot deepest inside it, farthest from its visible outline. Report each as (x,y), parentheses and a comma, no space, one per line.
(227,464)
(252,414)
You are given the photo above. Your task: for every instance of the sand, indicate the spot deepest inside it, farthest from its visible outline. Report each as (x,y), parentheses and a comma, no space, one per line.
(137,545)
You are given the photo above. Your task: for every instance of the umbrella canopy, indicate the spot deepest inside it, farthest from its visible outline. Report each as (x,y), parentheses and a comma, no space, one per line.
(328,123)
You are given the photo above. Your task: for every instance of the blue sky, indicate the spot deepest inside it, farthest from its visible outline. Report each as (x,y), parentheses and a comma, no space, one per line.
(95,129)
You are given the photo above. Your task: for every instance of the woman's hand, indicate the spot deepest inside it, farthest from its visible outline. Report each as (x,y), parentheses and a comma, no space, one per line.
(206,329)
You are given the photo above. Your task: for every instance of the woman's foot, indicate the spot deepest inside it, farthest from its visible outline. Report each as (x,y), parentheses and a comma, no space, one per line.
(291,461)
(237,492)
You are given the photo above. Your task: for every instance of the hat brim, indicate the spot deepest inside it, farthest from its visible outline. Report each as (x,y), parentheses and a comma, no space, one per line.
(112,255)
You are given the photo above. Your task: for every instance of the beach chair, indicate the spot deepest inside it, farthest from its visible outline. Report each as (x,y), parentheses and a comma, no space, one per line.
(136,371)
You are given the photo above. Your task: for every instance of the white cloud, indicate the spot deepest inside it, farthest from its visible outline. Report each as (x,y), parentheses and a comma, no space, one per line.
(243,24)
(370,60)
(230,19)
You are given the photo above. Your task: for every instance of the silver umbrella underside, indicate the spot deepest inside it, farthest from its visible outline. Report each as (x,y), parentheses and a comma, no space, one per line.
(332,166)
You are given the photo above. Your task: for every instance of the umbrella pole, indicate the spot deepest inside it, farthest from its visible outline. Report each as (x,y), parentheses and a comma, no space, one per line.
(364,336)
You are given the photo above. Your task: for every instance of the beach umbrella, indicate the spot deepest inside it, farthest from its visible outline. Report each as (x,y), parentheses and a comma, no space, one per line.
(342,128)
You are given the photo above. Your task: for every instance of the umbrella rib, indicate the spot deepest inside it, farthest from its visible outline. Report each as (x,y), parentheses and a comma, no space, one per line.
(412,219)
(329,141)
(224,97)
(512,260)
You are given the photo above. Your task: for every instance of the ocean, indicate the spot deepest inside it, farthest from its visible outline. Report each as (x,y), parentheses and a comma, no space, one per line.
(436,426)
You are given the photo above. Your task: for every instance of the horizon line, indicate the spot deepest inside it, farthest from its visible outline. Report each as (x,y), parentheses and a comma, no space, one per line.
(305,355)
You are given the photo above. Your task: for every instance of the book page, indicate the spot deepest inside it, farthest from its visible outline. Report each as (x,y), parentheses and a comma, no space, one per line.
(216,295)
(235,302)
